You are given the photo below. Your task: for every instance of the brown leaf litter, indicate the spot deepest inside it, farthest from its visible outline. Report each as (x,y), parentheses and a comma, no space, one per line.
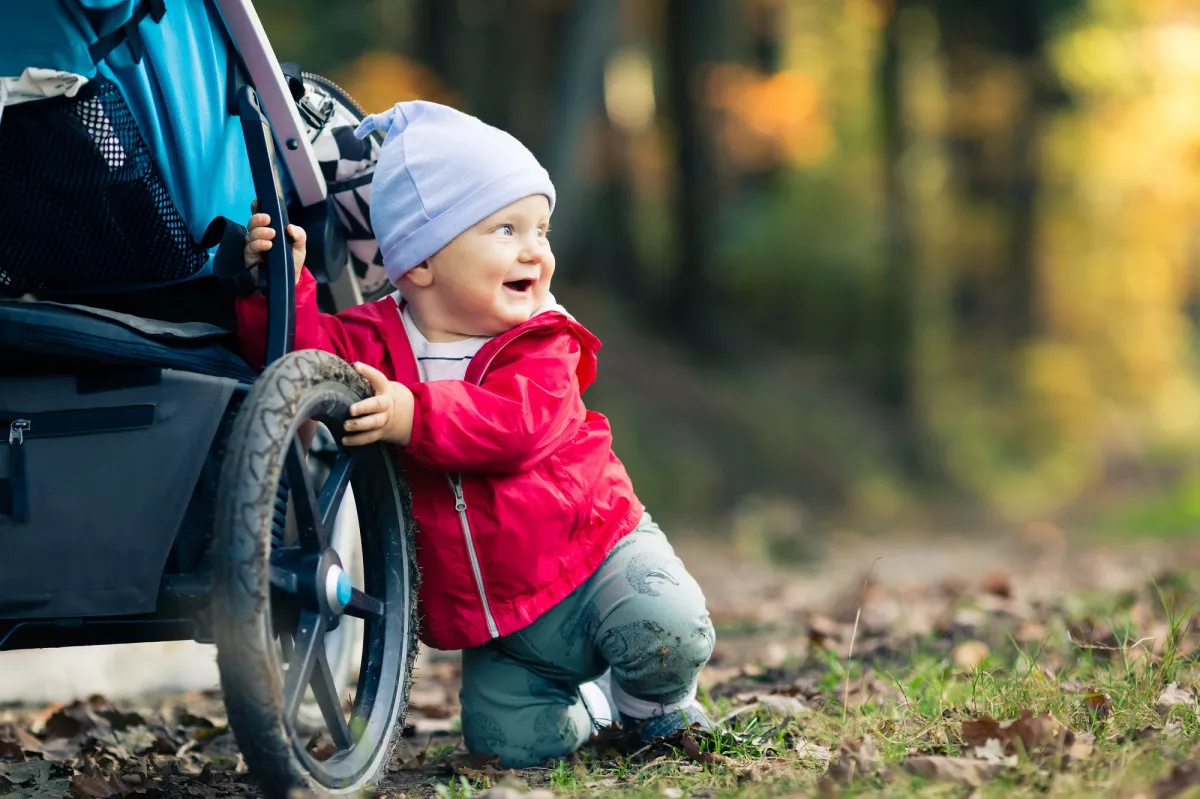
(1030,734)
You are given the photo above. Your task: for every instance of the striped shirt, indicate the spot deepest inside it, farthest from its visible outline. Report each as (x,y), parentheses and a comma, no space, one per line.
(449,360)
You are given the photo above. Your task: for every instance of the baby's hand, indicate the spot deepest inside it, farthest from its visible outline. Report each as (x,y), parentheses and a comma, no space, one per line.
(259,236)
(387,416)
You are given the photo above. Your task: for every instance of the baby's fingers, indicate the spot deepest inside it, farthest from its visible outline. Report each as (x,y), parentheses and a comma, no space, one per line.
(369,405)
(261,234)
(362,439)
(258,221)
(297,234)
(365,423)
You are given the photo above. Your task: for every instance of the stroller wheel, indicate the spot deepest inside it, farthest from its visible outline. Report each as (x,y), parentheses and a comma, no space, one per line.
(280,589)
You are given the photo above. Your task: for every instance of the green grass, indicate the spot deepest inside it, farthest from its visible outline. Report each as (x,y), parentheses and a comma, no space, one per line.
(1139,643)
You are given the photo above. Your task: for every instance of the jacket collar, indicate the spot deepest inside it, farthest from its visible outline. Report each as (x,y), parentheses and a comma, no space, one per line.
(550,318)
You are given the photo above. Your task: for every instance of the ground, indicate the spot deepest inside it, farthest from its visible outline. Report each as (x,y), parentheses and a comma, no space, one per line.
(1014,667)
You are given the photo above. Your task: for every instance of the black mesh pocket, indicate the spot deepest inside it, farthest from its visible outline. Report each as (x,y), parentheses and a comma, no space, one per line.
(81,204)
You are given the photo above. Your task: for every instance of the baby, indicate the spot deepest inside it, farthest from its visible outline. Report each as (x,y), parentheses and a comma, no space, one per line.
(537,558)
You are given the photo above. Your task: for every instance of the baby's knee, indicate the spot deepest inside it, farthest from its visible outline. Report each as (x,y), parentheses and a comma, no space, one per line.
(695,642)
(701,641)
(526,737)
(679,644)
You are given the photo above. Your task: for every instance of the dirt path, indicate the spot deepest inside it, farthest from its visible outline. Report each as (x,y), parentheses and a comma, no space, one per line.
(741,595)
(767,615)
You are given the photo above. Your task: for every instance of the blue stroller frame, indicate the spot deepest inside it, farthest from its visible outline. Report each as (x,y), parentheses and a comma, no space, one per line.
(155,486)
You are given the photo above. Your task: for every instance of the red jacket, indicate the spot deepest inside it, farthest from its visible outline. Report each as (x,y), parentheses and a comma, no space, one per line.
(517,494)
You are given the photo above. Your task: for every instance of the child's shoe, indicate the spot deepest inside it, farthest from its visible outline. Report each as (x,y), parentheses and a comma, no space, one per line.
(663,725)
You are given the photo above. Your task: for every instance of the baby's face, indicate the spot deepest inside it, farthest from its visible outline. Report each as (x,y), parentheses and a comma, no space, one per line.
(494,275)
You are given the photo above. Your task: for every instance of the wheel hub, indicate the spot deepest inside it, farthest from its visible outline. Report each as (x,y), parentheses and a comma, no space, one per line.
(337,588)
(331,585)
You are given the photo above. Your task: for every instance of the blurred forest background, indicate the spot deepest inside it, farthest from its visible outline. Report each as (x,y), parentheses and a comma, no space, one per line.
(858,264)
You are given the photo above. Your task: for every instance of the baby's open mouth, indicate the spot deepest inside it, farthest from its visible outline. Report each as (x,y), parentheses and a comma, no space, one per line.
(519,285)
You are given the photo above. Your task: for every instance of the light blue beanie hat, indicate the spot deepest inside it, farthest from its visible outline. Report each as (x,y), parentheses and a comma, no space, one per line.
(440,171)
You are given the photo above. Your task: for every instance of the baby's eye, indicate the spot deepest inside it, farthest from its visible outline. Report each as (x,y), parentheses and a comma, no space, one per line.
(544,231)
(506,230)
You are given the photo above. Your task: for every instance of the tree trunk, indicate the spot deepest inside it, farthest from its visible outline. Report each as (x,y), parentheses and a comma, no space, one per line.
(894,332)
(434,23)
(693,40)
(589,35)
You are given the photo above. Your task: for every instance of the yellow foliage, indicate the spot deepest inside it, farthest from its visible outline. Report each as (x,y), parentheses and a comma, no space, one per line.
(769,118)
(1112,367)
(378,80)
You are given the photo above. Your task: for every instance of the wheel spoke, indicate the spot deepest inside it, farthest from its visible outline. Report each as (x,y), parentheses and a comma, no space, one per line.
(284,579)
(285,644)
(300,491)
(362,606)
(326,693)
(308,642)
(334,488)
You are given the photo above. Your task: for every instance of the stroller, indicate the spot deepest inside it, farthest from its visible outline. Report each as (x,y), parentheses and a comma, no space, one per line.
(156,487)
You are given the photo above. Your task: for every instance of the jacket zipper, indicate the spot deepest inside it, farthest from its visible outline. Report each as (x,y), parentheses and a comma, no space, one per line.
(460,502)
(460,505)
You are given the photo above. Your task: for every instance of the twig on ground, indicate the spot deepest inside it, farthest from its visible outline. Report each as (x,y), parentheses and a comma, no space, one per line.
(854,634)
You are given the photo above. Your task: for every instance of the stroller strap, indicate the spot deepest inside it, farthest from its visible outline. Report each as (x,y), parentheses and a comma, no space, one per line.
(128,33)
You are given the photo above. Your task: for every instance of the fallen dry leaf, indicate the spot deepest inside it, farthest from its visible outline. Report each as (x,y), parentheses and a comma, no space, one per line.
(1030,631)
(824,631)
(692,749)
(15,743)
(72,720)
(1182,777)
(474,766)
(786,706)
(1099,704)
(121,720)
(993,752)
(94,786)
(1080,746)
(1028,733)
(1173,696)
(977,732)
(1139,734)
(970,654)
(812,751)
(323,751)
(11,752)
(959,770)
(34,772)
(997,584)
(855,758)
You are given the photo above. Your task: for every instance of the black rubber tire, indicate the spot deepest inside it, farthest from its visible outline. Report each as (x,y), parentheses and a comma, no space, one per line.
(248,655)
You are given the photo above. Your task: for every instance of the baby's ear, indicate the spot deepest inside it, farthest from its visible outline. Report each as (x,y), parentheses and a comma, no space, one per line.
(420,275)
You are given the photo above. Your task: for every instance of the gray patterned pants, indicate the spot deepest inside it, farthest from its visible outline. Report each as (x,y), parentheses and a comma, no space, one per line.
(640,613)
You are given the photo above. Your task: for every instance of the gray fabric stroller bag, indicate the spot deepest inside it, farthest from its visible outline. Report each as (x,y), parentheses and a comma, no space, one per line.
(95,470)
